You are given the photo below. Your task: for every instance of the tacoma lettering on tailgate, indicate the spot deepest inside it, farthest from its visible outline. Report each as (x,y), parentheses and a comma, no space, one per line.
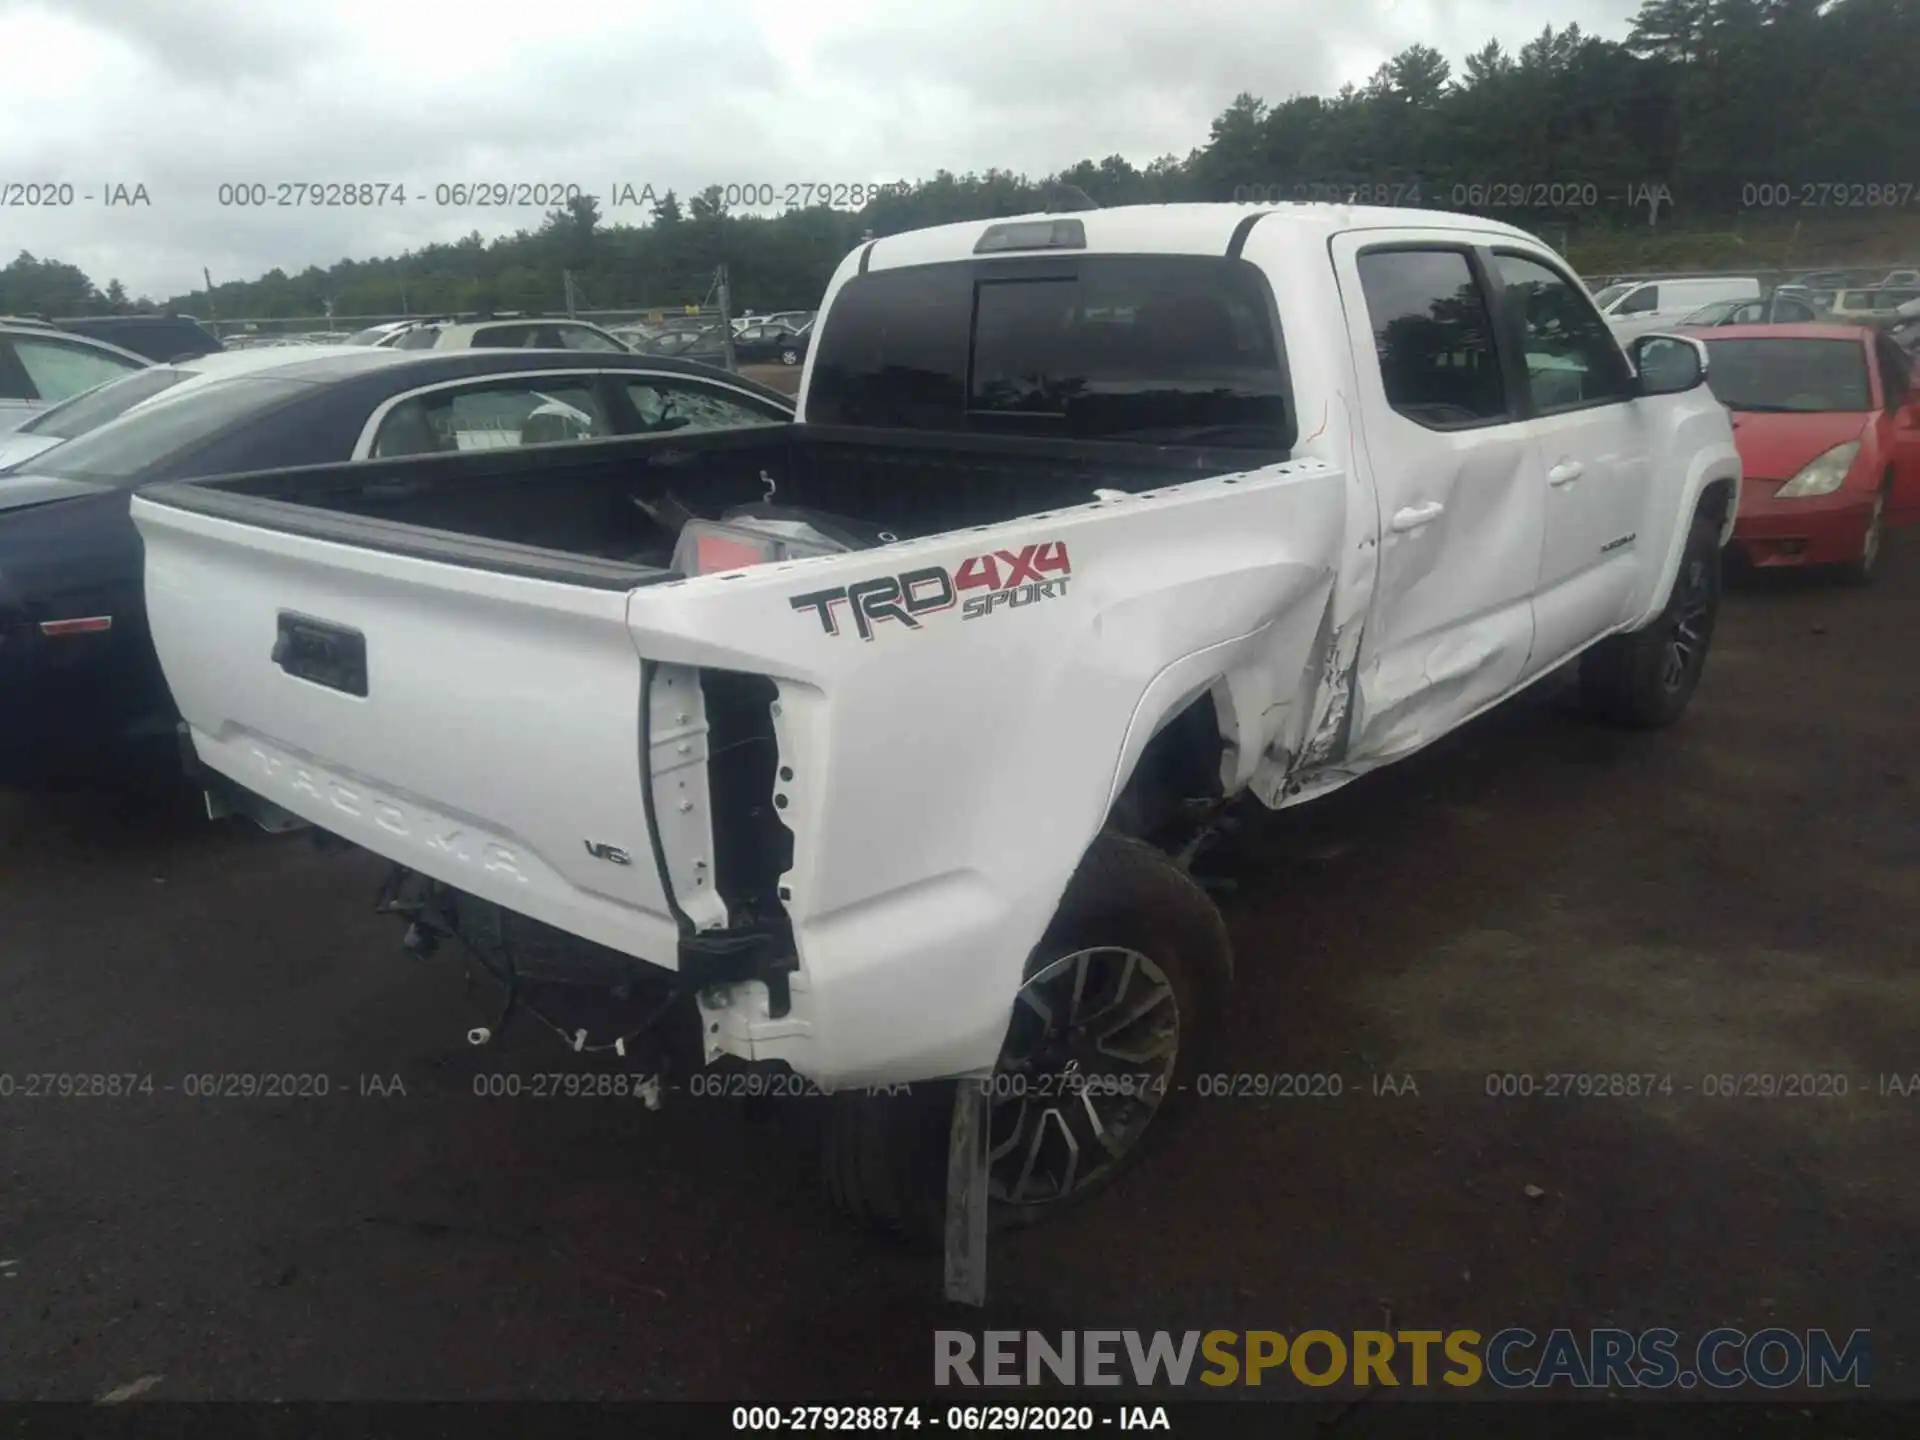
(1008,579)
(443,836)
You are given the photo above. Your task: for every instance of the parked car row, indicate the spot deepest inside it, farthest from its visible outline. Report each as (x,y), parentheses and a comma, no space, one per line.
(529,333)
(767,344)
(76,667)
(1635,307)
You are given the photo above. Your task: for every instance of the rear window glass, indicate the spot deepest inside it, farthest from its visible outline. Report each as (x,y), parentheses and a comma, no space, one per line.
(503,337)
(1790,376)
(103,403)
(1154,349)
(160,338)
(141,440)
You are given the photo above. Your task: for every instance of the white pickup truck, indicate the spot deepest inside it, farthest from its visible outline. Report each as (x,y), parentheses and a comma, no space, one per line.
(854,733)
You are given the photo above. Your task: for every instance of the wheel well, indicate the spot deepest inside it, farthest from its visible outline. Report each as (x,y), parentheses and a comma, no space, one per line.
(1715,499)
(1180,763)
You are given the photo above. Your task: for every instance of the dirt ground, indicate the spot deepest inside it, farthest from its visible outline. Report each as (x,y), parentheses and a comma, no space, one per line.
(1739,895)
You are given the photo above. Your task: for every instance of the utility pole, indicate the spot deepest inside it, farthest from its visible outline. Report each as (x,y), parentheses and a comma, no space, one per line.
(726,319)
(213,314)
(566,277)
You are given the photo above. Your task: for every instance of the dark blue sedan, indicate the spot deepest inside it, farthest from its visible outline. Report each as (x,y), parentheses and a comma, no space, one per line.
(80,687)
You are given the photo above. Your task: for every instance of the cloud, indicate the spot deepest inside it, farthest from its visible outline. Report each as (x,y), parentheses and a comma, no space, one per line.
(187,95)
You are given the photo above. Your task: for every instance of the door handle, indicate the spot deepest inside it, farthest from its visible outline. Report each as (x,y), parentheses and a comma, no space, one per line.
(1565,473)
(1414,516)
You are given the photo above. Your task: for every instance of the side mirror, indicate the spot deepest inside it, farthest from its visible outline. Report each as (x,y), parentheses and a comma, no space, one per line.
(1668,364)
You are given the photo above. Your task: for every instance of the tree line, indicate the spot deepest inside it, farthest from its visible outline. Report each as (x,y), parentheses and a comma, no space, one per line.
(1732,117)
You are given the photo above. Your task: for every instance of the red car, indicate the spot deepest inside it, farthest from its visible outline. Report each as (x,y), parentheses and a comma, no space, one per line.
(1828,428)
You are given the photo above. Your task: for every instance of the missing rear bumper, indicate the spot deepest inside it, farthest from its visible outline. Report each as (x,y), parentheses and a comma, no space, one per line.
(727,957)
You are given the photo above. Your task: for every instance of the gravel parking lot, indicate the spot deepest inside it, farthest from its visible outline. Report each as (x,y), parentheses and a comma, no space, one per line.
(1532,896)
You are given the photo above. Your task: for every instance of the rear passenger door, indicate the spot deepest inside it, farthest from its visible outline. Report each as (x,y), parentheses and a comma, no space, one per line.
(1594,461)
(1460,498)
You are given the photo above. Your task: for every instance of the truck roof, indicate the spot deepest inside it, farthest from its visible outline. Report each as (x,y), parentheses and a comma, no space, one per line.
(1185,229)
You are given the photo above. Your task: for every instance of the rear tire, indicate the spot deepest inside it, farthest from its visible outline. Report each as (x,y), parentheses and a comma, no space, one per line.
(1133,936)
(1644,679)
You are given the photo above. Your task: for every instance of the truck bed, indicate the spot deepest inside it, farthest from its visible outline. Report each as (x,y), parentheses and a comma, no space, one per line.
(775,781)
(568,512)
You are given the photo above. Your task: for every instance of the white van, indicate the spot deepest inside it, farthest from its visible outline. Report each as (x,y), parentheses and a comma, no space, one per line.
(1633,307)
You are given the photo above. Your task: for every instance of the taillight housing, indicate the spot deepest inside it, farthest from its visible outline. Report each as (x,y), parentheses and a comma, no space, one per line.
(707,547)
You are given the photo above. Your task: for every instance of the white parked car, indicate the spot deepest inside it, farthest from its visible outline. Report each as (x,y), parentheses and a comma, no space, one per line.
(42,365)
(94,408)
(527,334)
(1637,307)
(880,740)
(388,330)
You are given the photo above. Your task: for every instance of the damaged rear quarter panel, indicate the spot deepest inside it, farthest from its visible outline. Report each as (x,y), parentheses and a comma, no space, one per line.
(949,774)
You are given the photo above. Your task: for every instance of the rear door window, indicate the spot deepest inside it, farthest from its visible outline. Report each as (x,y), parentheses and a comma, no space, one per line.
(59,370)
(1155,349)
(580,337)
(1433,336)
(663,404)
(493,415)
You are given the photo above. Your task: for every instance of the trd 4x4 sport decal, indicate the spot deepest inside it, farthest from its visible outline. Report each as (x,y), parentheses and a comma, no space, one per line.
(1004,578)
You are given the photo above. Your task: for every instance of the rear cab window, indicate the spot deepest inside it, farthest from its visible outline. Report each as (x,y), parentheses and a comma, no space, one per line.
(1154,349)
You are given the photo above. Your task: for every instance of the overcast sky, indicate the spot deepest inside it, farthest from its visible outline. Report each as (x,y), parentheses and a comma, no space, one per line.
(182,95)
